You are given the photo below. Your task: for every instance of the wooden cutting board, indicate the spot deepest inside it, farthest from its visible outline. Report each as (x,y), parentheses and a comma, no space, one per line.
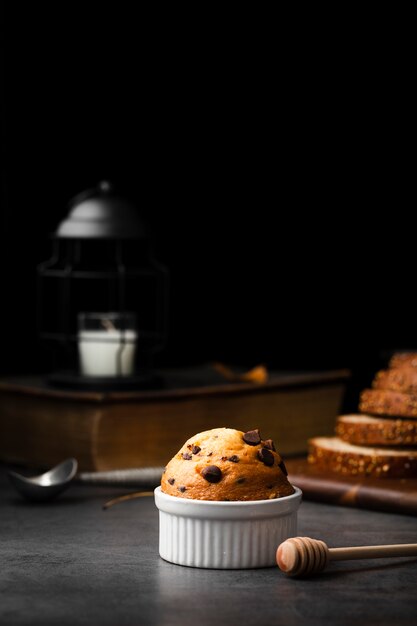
(385,494)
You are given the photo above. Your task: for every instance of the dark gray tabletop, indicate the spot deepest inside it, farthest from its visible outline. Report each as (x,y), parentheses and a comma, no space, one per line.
(70,562)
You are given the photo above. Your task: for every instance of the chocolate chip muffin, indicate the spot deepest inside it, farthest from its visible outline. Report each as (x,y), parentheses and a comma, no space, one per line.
(227,464)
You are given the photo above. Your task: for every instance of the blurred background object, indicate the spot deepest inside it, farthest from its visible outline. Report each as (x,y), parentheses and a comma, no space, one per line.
(102,298)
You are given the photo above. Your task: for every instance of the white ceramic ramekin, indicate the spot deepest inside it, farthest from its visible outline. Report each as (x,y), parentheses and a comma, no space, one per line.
(224,535)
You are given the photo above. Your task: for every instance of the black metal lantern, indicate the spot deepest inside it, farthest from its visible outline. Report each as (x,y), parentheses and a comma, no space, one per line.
(102,296)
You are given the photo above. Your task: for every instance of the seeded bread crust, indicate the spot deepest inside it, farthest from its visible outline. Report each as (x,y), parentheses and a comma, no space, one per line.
(403,359)
(331,454)
(363,430)
(403,379)
(243,474)
(385,402)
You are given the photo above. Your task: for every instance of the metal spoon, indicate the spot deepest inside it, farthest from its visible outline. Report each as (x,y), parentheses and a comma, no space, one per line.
(48,485)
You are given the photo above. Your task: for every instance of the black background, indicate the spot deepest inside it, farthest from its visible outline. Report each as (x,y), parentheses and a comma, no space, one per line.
(274,170)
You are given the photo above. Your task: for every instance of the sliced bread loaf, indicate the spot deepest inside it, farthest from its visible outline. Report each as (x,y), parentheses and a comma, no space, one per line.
(364,430)
(403,379)
(403,359)
(385,402)
(331,454)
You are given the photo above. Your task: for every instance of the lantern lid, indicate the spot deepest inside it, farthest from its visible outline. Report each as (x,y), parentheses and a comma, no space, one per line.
(102,213)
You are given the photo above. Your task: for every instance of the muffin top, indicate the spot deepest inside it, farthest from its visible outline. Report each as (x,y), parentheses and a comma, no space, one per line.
(227,464)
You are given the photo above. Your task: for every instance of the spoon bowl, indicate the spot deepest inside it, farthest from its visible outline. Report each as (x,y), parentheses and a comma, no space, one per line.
(48,485)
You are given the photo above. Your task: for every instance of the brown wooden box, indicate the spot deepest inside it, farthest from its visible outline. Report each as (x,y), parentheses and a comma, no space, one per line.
(41,425)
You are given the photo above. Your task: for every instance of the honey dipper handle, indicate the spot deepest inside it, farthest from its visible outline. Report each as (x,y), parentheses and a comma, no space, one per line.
(372,552)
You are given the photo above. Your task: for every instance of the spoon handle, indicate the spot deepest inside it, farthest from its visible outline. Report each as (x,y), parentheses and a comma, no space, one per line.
(137,477)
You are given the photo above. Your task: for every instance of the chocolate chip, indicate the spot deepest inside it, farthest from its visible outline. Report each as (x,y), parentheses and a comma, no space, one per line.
(266,456)
(212,473)
(171,481)
(269,444)
(186,456)
(282,467)
(233,459)
(195,449)
(241,480)
(252,437)
(210,453)
(182,489)
(223,458)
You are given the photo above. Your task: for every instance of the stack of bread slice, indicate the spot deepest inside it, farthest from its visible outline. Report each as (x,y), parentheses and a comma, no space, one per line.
(381,440)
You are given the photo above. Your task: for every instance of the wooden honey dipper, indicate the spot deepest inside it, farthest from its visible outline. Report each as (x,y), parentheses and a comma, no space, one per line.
(300,556)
